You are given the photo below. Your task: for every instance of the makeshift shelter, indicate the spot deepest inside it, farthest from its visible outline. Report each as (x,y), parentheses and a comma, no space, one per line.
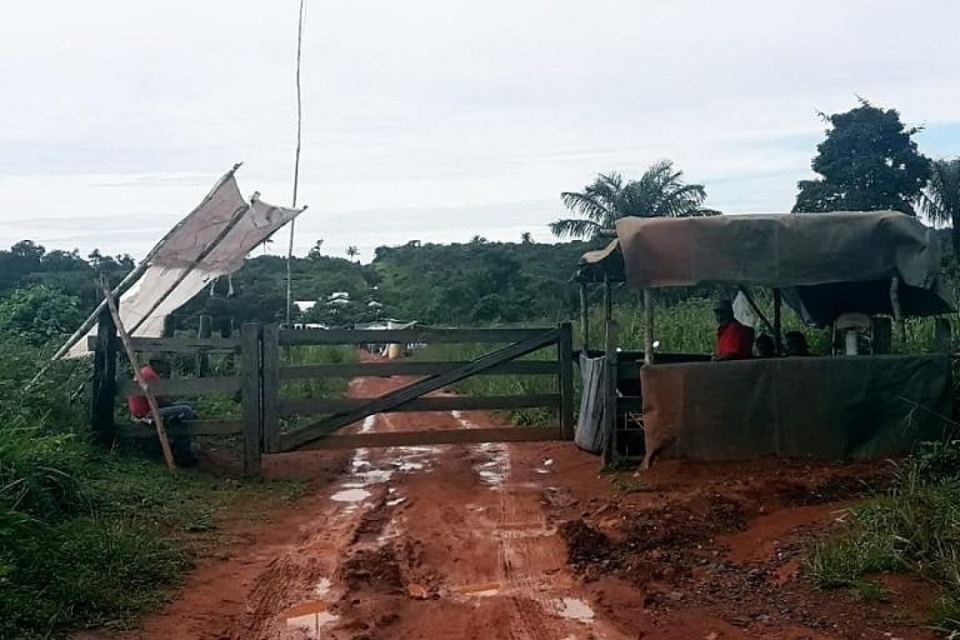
(210,242)
(823,266)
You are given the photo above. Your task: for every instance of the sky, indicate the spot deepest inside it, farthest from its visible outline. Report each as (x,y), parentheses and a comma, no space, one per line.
(434,120)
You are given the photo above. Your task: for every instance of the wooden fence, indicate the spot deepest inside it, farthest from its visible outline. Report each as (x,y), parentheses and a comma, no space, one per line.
(261,373)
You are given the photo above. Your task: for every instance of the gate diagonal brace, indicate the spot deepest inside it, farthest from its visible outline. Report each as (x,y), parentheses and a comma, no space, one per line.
(403,395)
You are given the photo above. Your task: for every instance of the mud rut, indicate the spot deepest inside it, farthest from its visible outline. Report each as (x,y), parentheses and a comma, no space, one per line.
(425,542)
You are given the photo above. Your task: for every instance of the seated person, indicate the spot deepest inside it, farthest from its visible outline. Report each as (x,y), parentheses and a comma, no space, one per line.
(140,408)
(734,340)
(796,344)
(766,347)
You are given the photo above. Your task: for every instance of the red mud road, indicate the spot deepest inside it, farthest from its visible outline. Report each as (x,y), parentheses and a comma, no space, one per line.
(527,541)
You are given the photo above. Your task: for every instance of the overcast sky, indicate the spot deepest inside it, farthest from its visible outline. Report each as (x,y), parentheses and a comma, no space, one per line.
(436,120)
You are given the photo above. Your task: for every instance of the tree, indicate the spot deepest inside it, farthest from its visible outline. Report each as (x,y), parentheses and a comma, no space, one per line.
(37,314)
(660,192)
(526,237)
(868,162)
(352,252)
(940,201)
(315,251)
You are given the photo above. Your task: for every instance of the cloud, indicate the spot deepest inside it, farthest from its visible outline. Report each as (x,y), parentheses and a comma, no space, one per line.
(436,120)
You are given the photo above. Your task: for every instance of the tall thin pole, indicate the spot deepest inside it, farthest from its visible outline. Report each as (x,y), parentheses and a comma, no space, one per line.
(296,165)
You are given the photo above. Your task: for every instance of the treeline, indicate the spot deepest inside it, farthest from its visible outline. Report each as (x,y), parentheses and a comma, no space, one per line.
(43,294)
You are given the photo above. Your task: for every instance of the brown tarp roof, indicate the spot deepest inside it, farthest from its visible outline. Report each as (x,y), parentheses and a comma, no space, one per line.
(778,250)
(827,263)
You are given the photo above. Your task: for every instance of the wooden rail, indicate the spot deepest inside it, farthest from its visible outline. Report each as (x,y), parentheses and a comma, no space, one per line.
(184,386)
(176,345)
(437,437)
(422,335)
(399,368)
(447,403)
(187,428)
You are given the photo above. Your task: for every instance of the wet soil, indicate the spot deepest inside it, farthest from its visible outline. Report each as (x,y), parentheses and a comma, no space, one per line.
(530,541)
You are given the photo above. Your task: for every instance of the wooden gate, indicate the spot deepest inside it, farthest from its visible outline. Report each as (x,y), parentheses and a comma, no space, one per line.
(513,344)
(260,372)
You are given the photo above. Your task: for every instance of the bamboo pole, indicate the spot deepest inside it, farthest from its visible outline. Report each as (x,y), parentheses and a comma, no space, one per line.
(134,362)
(296,166)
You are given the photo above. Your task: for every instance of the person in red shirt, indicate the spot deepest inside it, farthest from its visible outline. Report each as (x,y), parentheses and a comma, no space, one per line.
(734,340)
(140,408)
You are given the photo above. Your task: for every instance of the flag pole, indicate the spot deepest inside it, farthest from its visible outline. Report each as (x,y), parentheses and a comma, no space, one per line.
(296,165)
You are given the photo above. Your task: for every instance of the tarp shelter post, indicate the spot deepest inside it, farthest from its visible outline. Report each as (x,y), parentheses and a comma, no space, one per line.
(132,277)
(897,311)
(778,320)
(648,326)
(237,216)
(584,319)
(607,298)
(610,396)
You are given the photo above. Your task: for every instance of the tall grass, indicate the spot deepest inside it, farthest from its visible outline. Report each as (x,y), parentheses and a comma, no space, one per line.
(87,538)
(916,528)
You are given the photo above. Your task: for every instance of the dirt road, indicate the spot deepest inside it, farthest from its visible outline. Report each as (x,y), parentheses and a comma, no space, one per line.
(528,541)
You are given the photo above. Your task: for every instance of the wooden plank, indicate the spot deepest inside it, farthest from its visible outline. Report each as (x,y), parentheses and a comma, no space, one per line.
(427,335)
(401,368)
(185,386)
(565,380)
(405,394)
(270,368)
(176,345)
(187,428)
(431,438)
(447,403)
(250,390)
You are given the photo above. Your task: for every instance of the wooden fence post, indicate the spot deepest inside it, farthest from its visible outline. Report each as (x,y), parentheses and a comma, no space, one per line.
(610,397)
(250,336)
(104,389)
(270,366)
(565,355)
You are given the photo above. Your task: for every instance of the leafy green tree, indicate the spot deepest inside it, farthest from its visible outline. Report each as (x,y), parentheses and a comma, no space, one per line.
(316,252)
(660,192)
(352,252)
(37,314)
(868,162)
(940,201)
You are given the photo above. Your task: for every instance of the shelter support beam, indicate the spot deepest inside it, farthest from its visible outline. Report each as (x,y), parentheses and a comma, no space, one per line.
(610,396)
(778,320)
(898,312)
(648,326)
(584,319)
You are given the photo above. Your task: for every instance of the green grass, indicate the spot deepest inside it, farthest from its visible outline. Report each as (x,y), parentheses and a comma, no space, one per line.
(90,538)
(499,385)
(915,528)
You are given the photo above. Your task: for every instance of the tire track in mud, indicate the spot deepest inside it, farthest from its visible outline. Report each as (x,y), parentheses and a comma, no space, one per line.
(415,542)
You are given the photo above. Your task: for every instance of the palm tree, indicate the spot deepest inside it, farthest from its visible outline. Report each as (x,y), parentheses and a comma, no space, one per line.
(660,192)
(940,201)
(352,252)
